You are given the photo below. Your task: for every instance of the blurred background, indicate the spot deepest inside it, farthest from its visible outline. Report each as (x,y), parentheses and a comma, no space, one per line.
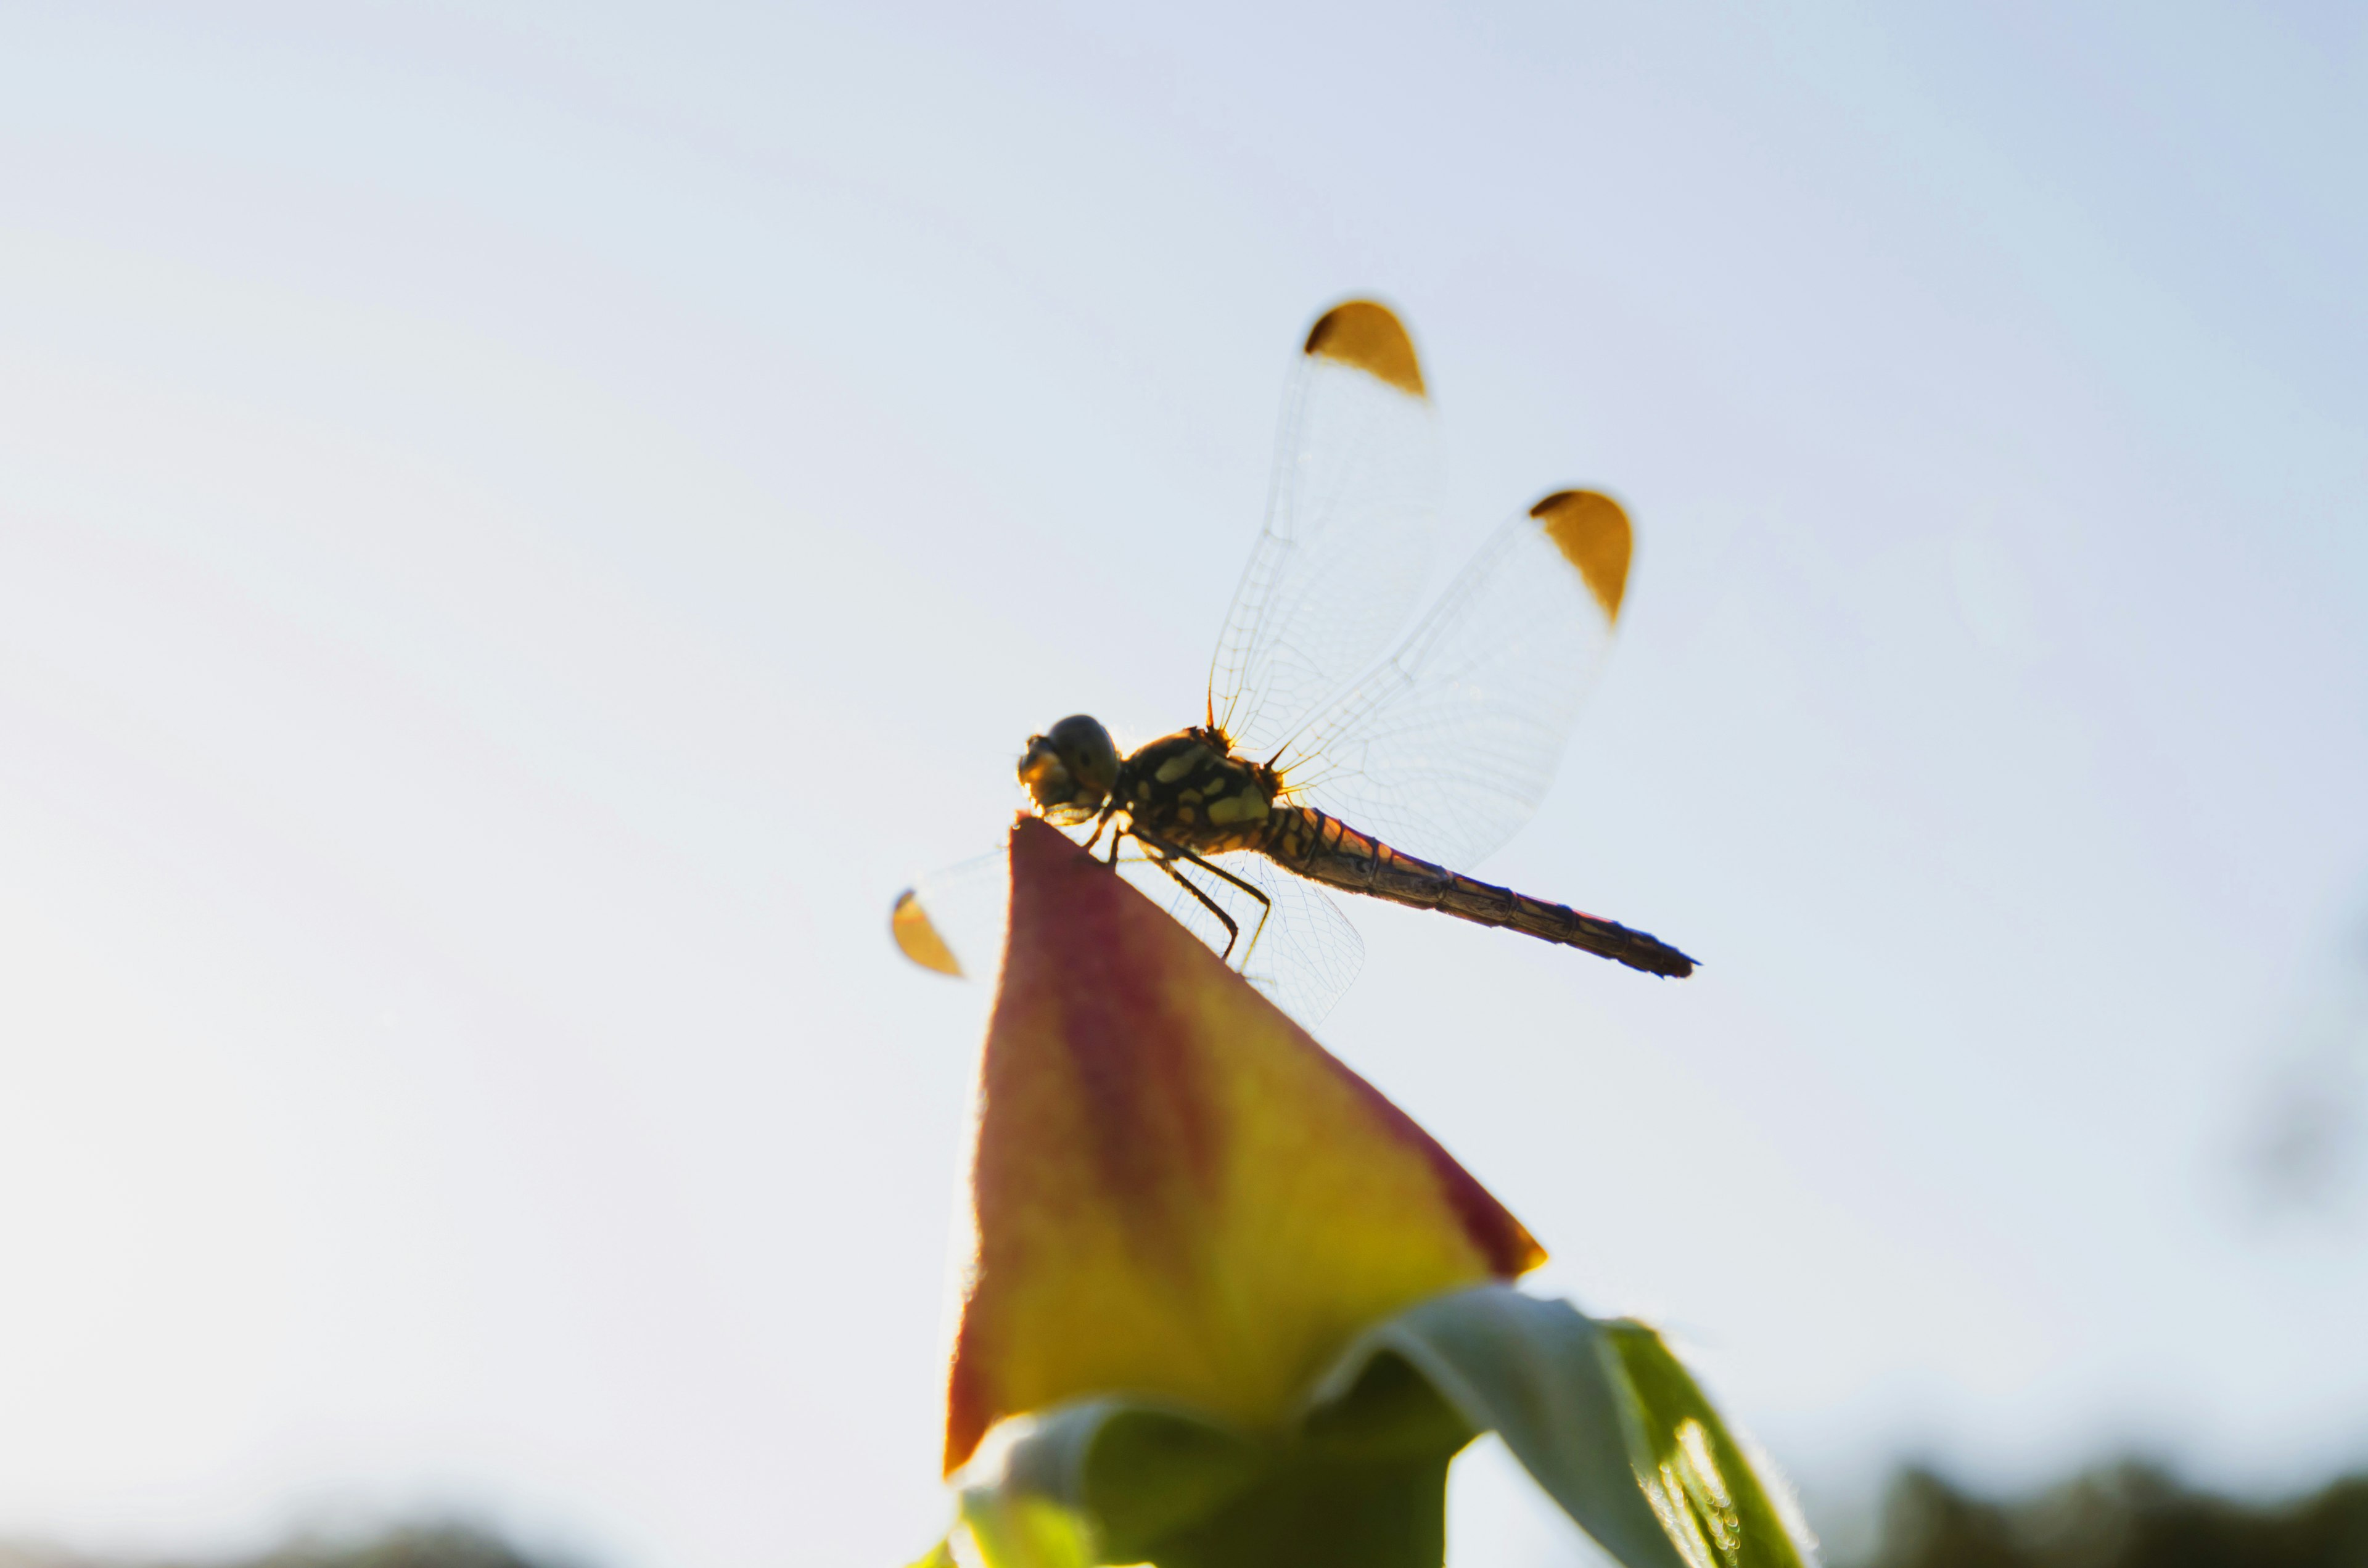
(522,526)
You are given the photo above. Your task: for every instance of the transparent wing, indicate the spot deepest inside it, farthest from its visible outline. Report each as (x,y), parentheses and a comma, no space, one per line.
(1298,949)
(1303,958)
(1446,748)
(1350,520)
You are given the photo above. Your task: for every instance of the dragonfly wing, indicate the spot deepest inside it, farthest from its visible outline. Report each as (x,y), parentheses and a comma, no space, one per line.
(1297,948)
(1446,748)
(1350,517)
(952,921)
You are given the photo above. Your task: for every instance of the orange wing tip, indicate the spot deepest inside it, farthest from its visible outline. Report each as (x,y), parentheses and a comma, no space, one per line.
(1366,335)
(1592,532)
(917,939)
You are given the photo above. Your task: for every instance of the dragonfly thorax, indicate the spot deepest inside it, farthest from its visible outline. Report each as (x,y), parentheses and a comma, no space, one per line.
(1188,791)
(1185,790)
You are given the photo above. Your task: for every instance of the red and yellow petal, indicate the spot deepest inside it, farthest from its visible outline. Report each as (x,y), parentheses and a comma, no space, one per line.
(1177,1192)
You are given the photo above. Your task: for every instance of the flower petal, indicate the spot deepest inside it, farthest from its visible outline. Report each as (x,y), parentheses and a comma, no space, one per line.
(1177,1192)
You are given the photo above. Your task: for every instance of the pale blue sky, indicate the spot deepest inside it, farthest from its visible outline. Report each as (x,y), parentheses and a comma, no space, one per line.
(521,527)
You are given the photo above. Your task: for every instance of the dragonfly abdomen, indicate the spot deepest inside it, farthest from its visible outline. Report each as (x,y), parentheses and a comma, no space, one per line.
(1325,849)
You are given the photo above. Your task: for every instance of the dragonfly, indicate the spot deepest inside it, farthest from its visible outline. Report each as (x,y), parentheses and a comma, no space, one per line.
(1328,759)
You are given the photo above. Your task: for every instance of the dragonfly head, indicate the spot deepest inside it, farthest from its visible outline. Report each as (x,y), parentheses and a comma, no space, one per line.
(1071,770)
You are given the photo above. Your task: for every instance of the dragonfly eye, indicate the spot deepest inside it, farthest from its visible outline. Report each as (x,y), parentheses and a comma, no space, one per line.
(1070,772)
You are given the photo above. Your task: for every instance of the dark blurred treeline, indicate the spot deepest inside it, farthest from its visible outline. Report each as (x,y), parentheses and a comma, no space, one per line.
(407,1546)
(419,1546)
(2129,1515)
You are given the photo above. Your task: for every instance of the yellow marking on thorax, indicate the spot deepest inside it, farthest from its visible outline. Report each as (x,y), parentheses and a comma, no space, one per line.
(1250,805)
(1182,763)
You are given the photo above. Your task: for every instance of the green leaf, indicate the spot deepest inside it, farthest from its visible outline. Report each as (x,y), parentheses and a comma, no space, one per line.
(1139,1469)
(1315,1509)
(1702,1482)
(1601,1414)
(1531,1371)
(1015,1530)
(1362,1484)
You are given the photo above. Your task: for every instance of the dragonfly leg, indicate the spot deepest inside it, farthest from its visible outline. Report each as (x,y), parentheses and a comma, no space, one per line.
(1170,852)
(1233,931)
